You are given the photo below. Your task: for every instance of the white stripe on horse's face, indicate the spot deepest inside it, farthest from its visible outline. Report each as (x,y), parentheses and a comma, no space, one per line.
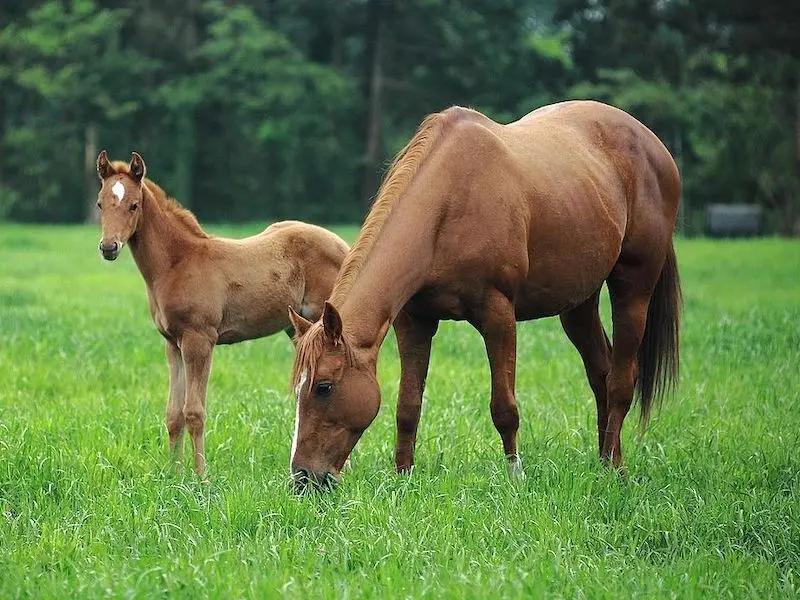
(298,389)
(119,190)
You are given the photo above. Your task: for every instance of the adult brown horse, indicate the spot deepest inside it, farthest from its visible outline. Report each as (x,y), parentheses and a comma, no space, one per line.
(206,290)
(495,224)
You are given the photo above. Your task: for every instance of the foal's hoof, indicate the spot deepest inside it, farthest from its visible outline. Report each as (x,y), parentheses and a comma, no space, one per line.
(515,470)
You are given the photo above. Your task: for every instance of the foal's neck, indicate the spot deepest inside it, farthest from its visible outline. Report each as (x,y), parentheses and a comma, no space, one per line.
(161,238)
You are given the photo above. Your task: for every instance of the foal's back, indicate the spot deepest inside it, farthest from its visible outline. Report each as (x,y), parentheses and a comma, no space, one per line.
(243,287)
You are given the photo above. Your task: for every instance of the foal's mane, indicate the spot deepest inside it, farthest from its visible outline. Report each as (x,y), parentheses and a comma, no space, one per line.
(168,203)
(400,175)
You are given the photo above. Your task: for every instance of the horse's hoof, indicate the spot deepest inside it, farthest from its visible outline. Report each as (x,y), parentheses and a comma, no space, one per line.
(515,470)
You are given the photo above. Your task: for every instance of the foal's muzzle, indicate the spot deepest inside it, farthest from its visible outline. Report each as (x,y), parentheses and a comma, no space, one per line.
(110,251)
(306,481)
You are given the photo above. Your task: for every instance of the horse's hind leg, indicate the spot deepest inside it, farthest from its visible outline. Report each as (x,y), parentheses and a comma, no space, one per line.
(585,330)
(630,288)
(498,326)
(177,396)
(414,344)
(196,350)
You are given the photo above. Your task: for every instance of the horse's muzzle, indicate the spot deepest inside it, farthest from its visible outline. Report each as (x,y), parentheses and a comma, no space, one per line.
(306,481)
(110,251)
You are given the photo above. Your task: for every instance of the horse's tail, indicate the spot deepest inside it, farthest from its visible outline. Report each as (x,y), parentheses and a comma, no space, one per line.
(659,353)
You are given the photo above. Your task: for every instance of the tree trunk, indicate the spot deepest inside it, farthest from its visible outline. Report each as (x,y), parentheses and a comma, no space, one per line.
(682,208)
(184,157)
(794,225)
(337,37)
(187,127)
(90,172)
(376,43)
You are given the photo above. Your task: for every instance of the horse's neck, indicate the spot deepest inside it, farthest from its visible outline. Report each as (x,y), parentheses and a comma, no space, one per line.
(159,236)
(395,270)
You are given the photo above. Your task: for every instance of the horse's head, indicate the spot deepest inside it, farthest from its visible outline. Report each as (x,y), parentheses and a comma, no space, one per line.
(119,201)
(337,398)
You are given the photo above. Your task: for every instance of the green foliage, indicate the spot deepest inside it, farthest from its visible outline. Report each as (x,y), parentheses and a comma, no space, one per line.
(65,69)
(89,508)
(252,109)
(723,100)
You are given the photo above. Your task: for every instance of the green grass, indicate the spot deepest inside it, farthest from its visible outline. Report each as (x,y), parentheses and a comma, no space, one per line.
(88,508)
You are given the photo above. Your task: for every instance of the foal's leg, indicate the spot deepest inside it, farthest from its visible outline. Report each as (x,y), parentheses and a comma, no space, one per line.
(498,326)
(585,330)
(196,349)
(177,397)
(630,298)
(414,344)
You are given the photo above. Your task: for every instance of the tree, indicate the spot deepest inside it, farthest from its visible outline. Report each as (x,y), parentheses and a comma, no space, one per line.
(67,70)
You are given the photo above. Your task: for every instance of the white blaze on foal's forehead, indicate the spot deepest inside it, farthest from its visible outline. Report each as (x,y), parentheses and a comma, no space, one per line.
(119,190)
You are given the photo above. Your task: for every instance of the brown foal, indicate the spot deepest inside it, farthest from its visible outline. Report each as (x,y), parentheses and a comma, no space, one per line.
(205,290)
(495,224)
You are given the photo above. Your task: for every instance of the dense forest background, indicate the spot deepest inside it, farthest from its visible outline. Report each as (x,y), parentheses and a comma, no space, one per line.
(268,109)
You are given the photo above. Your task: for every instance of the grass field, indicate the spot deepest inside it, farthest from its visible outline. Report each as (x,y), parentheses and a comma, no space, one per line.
(88,508)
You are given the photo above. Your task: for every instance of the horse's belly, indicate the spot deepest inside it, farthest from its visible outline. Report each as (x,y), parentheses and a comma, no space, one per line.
(450,301)
(553,288)
(539,302)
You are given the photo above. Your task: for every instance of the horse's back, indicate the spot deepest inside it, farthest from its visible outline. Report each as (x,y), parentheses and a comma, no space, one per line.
(597,132)
(567,181)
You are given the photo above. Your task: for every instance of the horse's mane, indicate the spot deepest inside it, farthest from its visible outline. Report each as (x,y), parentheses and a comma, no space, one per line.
(168,203)
(400,175)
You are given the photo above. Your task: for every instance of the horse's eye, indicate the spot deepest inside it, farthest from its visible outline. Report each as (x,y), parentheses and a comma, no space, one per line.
(324,388)
(133,207)
(98,205)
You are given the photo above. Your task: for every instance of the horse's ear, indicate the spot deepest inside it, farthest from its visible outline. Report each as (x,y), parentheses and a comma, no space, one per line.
(138,168)
(332,323)
(104,168)
(300,324)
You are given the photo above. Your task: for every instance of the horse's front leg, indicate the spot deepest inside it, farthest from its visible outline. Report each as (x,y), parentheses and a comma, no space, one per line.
(196,349)
(177,397)
(414,338)
(498,326)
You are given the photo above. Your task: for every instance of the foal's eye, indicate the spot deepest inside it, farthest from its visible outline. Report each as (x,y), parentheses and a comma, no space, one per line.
(324,388)
(98,205)
(133,207)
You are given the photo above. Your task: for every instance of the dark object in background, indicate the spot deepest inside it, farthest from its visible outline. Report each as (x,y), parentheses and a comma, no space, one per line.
(734,220)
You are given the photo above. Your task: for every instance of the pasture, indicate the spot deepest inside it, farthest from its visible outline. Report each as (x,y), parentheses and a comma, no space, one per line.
(89,508)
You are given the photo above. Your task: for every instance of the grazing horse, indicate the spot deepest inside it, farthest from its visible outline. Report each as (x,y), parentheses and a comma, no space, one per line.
(495,224)
(205,290)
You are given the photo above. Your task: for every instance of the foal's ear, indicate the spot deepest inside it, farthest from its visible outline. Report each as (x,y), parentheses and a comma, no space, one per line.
(300,324)
(138,168)
(332,323)
(104,168)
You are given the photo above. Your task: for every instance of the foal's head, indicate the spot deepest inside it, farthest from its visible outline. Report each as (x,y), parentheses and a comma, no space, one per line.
(337,398)
(119,201)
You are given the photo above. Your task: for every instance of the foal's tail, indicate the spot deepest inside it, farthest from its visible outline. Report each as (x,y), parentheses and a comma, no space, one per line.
(659,352)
